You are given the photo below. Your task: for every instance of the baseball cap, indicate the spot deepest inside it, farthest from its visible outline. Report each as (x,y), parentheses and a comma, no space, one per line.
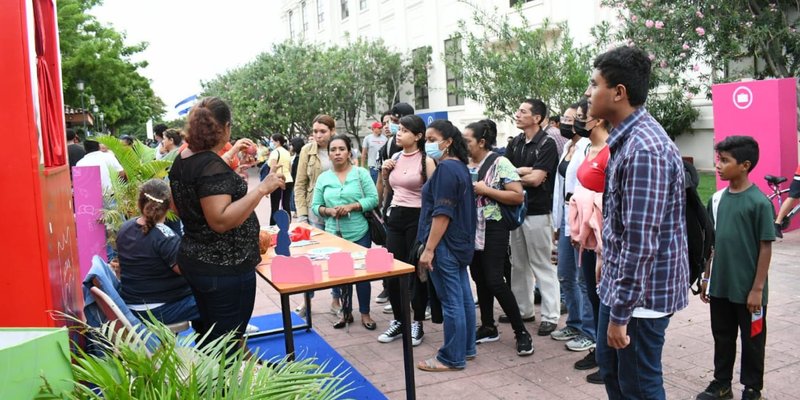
(401,110)
(377,125)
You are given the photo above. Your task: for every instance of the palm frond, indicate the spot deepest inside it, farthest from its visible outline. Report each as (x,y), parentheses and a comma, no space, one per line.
(218,369)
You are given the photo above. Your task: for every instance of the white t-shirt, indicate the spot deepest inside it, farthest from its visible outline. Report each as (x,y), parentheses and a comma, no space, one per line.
(324,159)
(106,161)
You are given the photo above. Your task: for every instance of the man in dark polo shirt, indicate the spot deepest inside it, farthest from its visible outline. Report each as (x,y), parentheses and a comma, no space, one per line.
(534,154)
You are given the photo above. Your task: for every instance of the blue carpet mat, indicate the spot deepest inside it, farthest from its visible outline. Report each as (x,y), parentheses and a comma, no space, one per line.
(308,345)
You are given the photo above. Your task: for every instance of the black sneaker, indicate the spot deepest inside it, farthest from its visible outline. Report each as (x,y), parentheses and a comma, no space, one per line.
(417,333)
(524,343)
(503,319)
(383,297)
(546,328)
(717,390)
(587,362)
(392,333)
(751,394)
(486,334)
(595,378)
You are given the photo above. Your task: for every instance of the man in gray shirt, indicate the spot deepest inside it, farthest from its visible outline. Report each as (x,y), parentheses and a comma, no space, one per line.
(369,150)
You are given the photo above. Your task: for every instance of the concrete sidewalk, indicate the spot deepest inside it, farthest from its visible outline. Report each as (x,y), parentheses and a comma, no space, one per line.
(498,373)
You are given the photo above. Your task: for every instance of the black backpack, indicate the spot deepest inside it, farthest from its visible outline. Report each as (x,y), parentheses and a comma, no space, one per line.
(513,216)
(699,229)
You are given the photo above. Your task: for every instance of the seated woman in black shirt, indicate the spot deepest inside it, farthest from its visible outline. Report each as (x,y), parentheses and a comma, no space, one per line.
(219,249)
(149,274)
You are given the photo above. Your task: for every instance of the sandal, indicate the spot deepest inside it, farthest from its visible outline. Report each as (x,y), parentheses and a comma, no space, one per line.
(433,365)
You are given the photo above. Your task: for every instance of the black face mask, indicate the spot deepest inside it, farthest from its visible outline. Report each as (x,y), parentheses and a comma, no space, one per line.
(566,131)
(580,129)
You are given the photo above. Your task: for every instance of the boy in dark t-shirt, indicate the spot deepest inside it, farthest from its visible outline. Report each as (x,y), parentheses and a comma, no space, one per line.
(737,284)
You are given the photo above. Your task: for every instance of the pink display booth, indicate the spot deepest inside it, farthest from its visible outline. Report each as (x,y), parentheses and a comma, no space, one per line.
(767,111)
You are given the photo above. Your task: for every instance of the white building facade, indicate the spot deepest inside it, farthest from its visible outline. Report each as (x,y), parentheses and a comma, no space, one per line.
(406,25)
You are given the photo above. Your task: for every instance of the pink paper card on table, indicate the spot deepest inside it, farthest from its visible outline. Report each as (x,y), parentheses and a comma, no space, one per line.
(295,270)
(379,260)
(340,264)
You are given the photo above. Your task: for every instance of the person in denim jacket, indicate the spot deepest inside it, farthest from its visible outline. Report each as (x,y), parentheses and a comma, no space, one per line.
(447,228)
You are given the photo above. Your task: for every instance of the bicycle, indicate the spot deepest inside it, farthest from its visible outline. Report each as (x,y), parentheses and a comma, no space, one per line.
(777,195)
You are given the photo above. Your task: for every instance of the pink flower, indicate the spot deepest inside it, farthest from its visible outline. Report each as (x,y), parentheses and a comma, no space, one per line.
(699,14)
(663,64)
(634,18)
(686,46)
(649,23)
(683,55)
(700,31)
(659,25)
(696,67)
(651,56)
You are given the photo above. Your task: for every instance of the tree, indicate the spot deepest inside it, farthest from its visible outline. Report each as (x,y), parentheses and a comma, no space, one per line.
(735,38)
(97,55)
(284,89)
(505,63)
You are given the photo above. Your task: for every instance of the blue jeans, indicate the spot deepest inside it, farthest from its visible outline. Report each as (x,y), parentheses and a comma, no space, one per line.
(181,310)
(224,301)
(363,289)
(451,281)
(573,287)
(373,172)
(635,371)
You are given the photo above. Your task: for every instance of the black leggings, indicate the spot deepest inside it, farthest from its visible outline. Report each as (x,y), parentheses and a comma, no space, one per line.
(487,269)
(588,262)
(282,199)
(401,234)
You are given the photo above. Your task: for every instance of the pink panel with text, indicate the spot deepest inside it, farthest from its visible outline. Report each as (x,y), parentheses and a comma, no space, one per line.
(88,196)
(295,270)
(767,111)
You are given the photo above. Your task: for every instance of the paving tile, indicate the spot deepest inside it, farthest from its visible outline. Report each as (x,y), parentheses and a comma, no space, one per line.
(498,373)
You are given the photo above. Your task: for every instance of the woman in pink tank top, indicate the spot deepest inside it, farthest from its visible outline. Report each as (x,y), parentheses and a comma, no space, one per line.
(405,174)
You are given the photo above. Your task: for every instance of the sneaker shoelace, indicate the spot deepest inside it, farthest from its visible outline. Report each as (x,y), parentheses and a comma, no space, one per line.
(415,330)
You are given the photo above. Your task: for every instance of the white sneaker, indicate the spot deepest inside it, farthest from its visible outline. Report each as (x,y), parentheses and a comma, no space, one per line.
(387,309)
(427,313)
(301,310)
(580,343)
(251,329)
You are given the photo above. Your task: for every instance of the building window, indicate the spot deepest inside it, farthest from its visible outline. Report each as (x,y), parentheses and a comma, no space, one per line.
(452,55)
(362,4)
(513,3)
(345,9)
(304,16)
(320,14)
(291,28)
(421,58)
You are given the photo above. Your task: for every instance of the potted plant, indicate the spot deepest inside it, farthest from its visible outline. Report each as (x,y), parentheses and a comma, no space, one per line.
(138,164)
(178,369)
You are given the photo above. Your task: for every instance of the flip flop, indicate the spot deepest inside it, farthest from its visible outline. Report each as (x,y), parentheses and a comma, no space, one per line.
(432,365)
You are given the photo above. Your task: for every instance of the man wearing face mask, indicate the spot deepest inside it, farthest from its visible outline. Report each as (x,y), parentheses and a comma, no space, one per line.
(533,152)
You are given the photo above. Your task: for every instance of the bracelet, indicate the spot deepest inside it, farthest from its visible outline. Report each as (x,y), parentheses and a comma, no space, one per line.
(704,280)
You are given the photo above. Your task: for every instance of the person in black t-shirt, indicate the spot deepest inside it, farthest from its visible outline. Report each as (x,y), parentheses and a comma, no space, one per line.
(74,149)
(150,278)
(534,154)
(219,249)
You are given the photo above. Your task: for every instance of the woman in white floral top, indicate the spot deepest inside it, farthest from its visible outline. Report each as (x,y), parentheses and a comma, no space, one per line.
(497,181)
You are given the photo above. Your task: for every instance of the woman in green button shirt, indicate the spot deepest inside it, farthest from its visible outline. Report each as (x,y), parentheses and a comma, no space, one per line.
(341,196)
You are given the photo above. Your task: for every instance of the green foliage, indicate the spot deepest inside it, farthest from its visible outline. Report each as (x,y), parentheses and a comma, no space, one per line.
(97,54)
(139,165)
(271,95)
(673,111)
(735,38)
(221,369)
(505,63)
